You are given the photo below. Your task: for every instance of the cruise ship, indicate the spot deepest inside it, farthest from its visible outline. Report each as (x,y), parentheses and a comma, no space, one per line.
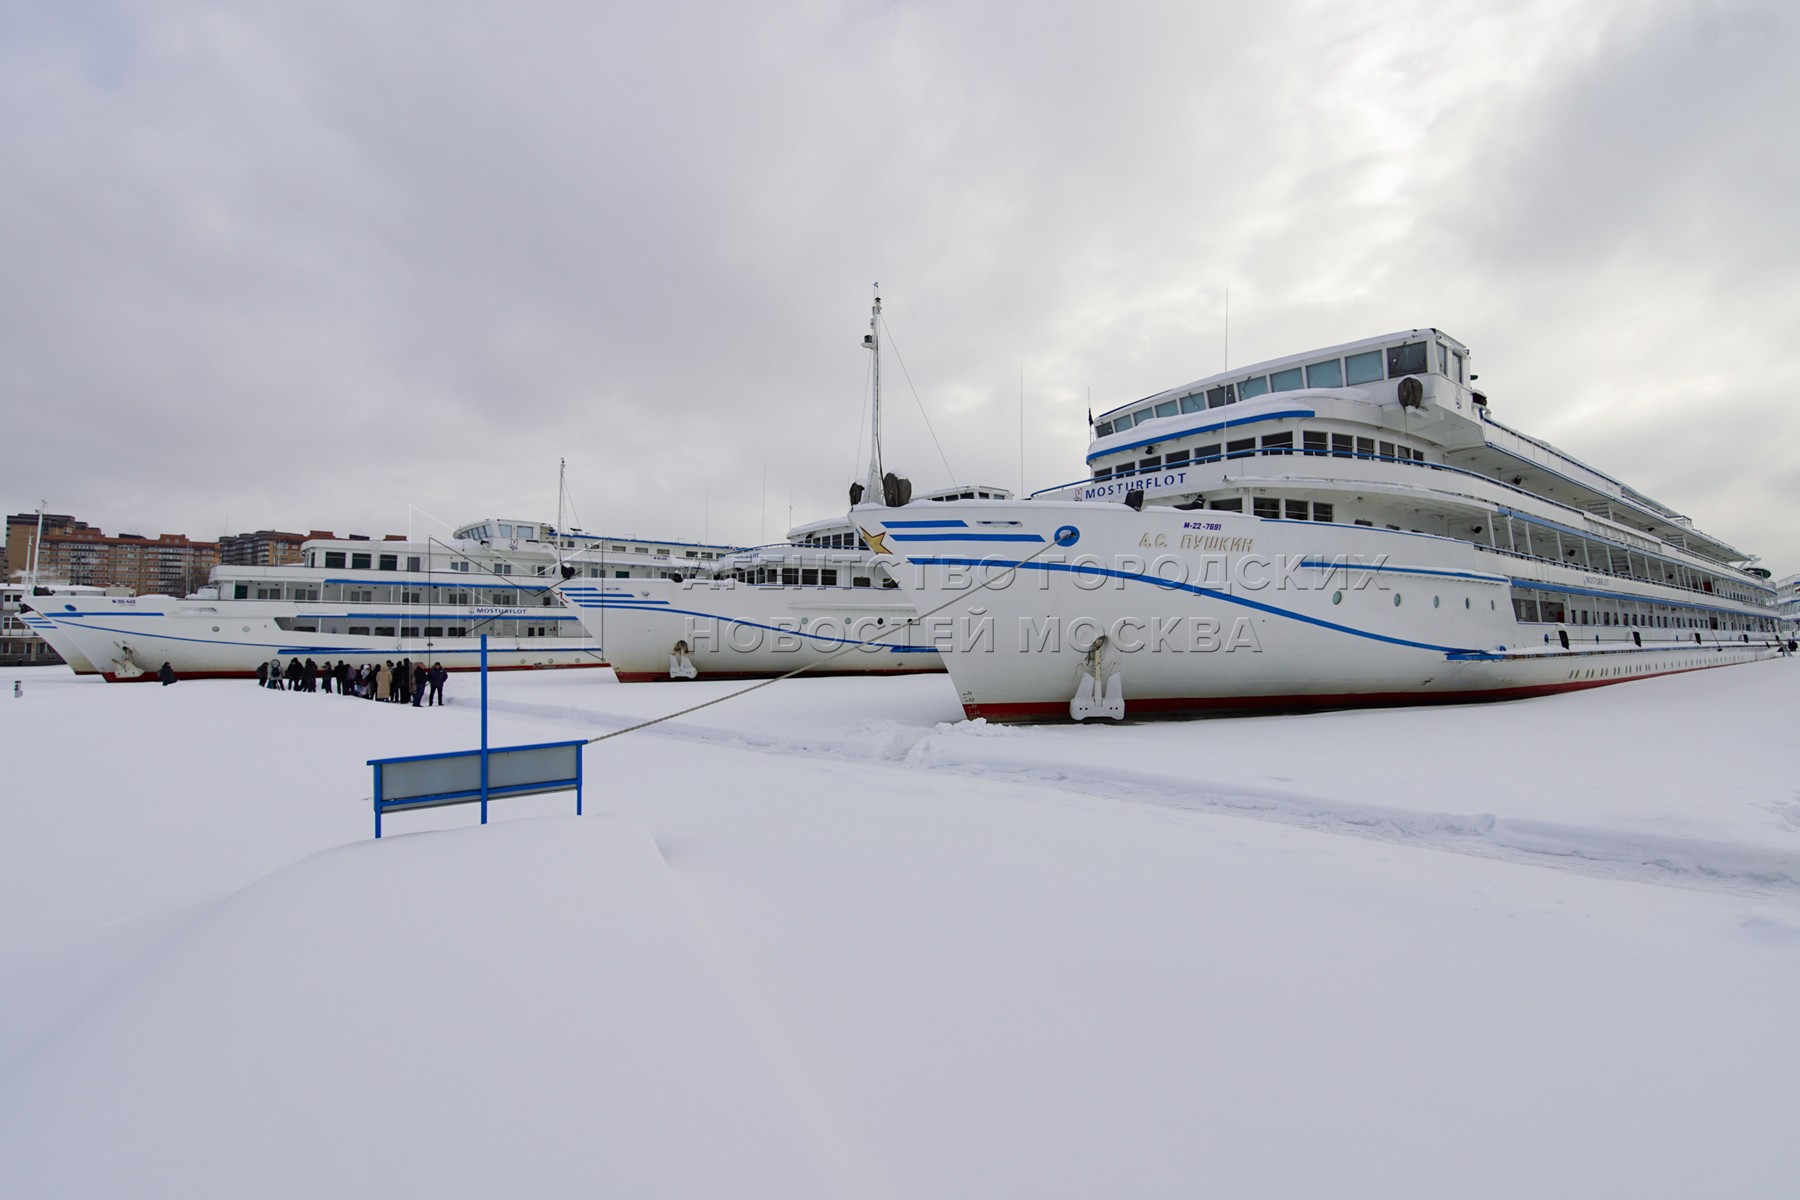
(357,600)
(819,600)
(1348,526)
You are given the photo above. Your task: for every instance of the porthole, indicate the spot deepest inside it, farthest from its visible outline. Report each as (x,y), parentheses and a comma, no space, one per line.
(1434,601)
(1465,602)
(1337,597)
(1396,599)
(215,629)
(1490,606)
(246,629)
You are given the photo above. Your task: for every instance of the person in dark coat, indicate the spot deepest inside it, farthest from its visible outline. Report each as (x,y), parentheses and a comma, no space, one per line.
(294,674)
(311,676)
(262,675)
(166,674)
(418,683)
(436,678)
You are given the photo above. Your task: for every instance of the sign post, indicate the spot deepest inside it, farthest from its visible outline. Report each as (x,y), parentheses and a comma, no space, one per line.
(484,742)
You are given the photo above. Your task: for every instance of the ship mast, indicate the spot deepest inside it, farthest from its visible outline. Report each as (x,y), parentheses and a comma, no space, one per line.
(872,341)
(37,543)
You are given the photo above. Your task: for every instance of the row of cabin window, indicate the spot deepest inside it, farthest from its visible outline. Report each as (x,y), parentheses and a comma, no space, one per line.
(833,541)
(1538,607)
(1349,371)
(493,628)
(1313,441)
(1275,508)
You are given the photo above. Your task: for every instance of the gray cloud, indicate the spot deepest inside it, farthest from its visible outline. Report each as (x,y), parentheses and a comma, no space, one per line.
(310,264)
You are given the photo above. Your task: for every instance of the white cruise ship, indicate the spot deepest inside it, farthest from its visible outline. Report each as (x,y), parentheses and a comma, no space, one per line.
(818,600)
(1349,526)
(356,600)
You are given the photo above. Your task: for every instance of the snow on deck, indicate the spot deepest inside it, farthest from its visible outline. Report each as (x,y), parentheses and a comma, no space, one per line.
(831,940)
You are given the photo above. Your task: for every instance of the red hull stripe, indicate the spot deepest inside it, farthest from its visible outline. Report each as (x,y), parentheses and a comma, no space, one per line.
(1047,710)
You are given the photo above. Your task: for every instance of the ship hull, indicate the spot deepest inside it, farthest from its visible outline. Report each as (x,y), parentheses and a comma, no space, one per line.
(1178,612)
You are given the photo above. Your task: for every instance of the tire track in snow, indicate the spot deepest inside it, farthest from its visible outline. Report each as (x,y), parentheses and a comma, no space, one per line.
(1013,754)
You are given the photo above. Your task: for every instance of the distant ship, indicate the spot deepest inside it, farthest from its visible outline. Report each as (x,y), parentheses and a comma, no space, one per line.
(354,600)
(1348,526)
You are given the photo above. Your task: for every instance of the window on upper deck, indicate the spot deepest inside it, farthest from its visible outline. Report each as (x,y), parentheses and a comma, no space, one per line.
(1456,359)
(1103,429)
(1253,387)
(1220,396)
(1235,504)
(1168,408)
(1177,459)
(1207,452)
(1325,374)
(1407,360)
(1285,381)
(1343,445)
(334,558)
(1240,448)
(1265,506)
(1362,368)
(1314,441)
(1297,510)
(1278,443)
(1193,403)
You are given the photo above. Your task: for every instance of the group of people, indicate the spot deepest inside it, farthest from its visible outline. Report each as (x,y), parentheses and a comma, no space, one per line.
(404,682)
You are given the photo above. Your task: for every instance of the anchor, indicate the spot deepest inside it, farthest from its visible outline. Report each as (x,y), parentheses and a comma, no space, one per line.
(1099,694)
(680,666)
(125,665)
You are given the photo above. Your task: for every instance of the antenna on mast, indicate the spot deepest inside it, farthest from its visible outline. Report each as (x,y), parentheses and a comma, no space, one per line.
(872,343)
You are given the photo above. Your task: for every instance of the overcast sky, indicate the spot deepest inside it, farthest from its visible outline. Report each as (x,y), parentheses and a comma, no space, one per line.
(350,265)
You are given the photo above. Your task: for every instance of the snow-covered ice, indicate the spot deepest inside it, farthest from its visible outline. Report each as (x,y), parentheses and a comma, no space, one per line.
(831,940)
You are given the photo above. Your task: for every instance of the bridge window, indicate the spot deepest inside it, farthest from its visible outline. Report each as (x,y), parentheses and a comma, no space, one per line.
(1387,449)
(1407,360)
(1266,506)
(1342,445)
(1296,510)
(1219,397)
(1321,512)
(1278,443)
(1168,408)
(1103,429)
(1285,381)
(1235,504)
(1193,403)
(1314,441)
(1325,374)
(334,558)
(1365,445)
(1253,387)
(360,562)
(1362,368)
